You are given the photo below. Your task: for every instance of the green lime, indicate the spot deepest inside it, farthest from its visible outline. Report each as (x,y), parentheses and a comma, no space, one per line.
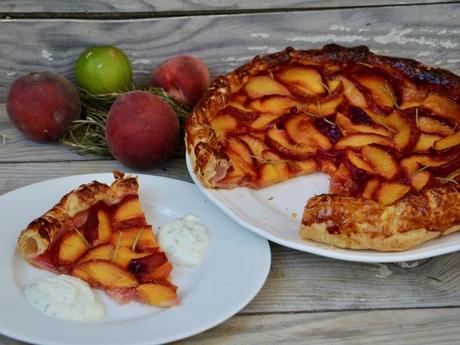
(103,69)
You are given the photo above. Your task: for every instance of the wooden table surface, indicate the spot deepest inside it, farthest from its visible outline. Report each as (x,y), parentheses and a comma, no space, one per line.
(307,298)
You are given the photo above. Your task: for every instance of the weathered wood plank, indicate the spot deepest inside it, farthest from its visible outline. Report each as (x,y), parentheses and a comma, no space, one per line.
(417,327)
(299,281)
(120,6)
(428,33)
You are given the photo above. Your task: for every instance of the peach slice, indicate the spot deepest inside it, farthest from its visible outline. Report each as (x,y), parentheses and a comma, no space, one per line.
(102,252)
(276,171)
(388,193)
(401,127)
(128,210)
(302,131)
(348,127)
(278,140)
(104,228)
(420,179)
(323,108)
(140,237)
(351,92)
(240,155)
(426,142)
(333,84)
(125,255)
(382,162)
(306,166)
(157,295)
(447,142)
(411,96)
(161,272)
(306,80)
(224,124)
(381,90)
(256,145)
(370,188)
(263,120)
(273,104)
(442,106)
(413,163)
(106,274)
(71,247)
(432,126)
(358,162)
(261,86)
(360,140)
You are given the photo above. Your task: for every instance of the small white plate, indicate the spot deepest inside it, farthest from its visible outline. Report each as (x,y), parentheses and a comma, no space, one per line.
(235,268)
(275,212)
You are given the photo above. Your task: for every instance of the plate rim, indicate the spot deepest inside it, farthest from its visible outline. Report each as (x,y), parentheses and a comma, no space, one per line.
(332,252)
(206,325)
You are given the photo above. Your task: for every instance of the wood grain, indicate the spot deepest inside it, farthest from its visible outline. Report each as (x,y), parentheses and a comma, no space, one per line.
(429,33)
(298,281)
(379,327)
(120,6)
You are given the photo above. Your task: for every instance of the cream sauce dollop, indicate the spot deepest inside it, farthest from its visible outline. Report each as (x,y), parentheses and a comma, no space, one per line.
(185,240)
(65,297)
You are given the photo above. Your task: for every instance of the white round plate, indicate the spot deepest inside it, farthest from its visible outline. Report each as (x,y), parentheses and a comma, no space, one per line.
(235,268)
(275,212)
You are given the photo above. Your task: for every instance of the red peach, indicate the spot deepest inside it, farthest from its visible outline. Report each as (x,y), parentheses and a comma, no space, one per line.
(42,105)
(142,130)
(184,78)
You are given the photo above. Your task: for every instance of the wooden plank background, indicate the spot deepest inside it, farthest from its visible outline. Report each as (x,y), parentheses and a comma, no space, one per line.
(140,6)
(307,298)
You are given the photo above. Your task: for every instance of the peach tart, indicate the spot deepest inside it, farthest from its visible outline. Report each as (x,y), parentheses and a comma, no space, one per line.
(385,129)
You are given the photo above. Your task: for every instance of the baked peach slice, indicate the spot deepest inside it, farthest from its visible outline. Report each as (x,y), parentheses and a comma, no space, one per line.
(279,141)
(106,274)
(71,247)
(263,120)
(101,252)
(104,228)
(261,86)
(128,210)
(442,106)
(388,193)
(381,90)
(358,162)
(447,142)
(305,166)
(240,155)
(426,142)
(273,104)
(420,179)
(352,93)
(138,238)
(413,163)
(381,161)
(348,127)
(306,80)
(370,188)
(274,170)
(401,127)
(256,145)
(302,131)
(360,140)
(432,126)
(224,124)
(323,108)
(157,295)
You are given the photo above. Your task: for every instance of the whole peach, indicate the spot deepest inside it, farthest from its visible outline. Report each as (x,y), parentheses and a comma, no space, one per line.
(42,105)
(184,78)
(142,130)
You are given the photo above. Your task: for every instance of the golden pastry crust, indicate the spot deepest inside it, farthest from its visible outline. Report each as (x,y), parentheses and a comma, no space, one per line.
(359,223)
(39,234)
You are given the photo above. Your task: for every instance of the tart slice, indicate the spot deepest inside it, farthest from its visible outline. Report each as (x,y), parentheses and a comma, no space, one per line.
(99,234)
(383,128)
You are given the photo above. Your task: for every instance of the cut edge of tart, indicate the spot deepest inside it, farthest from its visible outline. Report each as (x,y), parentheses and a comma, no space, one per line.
(99,233)
(384,128)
